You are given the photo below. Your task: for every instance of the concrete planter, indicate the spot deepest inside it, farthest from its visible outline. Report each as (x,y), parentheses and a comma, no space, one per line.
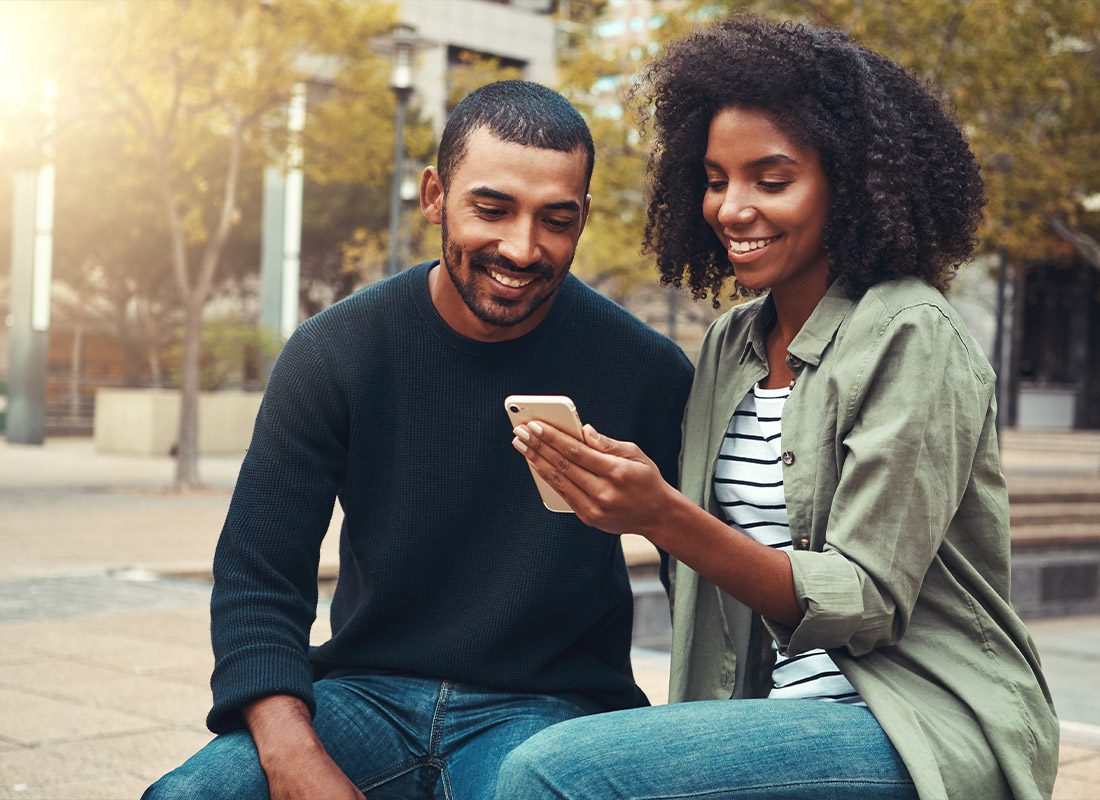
(146,421)
(1050,407)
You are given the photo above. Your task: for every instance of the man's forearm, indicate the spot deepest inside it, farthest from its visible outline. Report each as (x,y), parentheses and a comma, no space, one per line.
(281,728)
(292,755)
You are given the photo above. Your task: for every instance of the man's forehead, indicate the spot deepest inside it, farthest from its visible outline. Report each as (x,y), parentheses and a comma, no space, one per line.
(491,161)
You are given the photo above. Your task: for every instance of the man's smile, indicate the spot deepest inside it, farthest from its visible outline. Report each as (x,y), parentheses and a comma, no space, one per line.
(508,280)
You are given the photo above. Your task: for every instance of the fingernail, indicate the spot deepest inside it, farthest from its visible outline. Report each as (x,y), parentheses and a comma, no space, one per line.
(522,433)
(516,443)
(536,428)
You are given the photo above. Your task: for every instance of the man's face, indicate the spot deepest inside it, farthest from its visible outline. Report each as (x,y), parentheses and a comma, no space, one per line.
(511,217)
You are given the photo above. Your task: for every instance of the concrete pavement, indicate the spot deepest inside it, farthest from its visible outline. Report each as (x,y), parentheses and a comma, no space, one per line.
(106,661)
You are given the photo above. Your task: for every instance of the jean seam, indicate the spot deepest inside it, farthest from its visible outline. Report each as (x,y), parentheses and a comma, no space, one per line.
(389,774)
(434,740)
(789,784)
(437,719)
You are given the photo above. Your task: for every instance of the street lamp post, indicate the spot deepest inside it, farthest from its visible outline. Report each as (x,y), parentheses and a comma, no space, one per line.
(410,194)
(31,265)
(403,39)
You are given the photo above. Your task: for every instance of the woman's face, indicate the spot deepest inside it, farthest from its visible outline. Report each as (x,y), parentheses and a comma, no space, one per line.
(767,200)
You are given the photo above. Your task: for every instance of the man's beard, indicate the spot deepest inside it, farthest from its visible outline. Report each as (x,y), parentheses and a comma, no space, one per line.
(498,311)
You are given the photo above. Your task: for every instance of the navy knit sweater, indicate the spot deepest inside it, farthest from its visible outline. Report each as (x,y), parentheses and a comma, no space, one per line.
(450,566)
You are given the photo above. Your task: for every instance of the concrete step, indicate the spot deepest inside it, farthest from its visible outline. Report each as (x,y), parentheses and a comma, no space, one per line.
(1060,513)
(1014,439)
(1075,534)
(1024,488)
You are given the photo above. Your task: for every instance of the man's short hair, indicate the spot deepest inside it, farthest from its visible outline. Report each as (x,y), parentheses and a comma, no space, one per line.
(521,112)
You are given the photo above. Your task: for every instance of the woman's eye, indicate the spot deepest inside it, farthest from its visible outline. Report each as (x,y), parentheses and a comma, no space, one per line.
(774,186)
(716,185)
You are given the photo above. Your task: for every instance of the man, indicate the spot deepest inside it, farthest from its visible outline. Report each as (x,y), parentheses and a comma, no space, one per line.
(466,616)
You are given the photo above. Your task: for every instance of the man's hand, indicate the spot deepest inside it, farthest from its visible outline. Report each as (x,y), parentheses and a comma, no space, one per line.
(292,756)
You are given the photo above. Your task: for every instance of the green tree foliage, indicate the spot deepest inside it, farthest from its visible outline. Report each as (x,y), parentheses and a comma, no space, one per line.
(596,76)
(169,109)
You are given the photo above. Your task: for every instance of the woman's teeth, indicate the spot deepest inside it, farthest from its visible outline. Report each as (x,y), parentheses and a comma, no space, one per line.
(752,244)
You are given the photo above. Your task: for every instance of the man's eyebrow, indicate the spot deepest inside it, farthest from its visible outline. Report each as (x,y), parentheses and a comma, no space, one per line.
(495,194)
(491,194)
(563,205)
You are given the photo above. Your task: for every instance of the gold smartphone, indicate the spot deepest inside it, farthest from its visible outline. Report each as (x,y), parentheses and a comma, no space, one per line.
(560,412)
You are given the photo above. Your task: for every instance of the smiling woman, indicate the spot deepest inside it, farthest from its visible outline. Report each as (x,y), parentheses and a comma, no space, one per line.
(839,540)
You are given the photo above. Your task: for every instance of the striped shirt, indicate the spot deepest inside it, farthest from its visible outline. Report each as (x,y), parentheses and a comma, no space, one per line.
(748,486)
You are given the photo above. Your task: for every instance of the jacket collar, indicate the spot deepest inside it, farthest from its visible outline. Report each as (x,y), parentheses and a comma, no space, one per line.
(810,342)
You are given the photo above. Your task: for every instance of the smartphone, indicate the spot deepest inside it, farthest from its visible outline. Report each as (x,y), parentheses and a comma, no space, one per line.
(560,412)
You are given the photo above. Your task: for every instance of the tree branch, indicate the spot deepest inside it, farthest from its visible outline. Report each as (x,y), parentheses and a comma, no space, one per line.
(1085,245)
(216,243)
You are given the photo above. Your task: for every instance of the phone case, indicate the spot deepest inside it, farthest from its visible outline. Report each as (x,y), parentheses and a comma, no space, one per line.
(560,412)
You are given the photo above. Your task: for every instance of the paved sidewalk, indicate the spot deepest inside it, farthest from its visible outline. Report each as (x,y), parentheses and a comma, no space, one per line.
(104,663)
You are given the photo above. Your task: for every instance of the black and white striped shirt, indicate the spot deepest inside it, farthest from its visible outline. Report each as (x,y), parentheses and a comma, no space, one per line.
(748,486)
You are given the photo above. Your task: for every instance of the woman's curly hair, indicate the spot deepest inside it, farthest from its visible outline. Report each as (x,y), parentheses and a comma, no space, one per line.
(905,193)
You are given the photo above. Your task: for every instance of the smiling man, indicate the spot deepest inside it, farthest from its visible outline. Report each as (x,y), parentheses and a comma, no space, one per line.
(466,616)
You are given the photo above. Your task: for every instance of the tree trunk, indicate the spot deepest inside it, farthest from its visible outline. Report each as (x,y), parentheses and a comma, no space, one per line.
(156,374)
(1086,246)
(187,445)
(76,367)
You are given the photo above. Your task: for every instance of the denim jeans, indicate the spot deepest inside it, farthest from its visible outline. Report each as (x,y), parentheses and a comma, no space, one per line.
(395,737)
(743,749)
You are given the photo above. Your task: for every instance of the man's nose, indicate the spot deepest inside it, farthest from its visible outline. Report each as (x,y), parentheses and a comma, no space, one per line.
(520,244)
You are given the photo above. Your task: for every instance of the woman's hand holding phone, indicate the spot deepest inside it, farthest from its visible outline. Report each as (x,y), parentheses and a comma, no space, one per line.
(610,485)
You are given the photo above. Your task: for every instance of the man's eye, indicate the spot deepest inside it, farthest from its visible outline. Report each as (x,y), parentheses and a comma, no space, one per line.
(559,224)
(489,211)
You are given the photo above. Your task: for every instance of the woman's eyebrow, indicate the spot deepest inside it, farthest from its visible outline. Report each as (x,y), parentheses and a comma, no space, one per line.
(765,161)
(772,160)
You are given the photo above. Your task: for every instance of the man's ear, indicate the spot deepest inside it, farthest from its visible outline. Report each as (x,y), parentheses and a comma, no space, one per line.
(584,213)
(431,195)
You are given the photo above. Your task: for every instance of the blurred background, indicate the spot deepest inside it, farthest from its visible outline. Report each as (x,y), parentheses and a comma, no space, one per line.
(182,182)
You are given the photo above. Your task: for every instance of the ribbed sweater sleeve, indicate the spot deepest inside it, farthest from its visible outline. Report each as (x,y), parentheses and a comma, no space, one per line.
(265,565)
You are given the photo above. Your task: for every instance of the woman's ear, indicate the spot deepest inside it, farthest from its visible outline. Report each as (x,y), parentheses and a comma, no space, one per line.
(431,195)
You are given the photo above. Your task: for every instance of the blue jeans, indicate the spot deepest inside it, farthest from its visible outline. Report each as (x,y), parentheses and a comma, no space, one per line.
(743,749)
(395,737)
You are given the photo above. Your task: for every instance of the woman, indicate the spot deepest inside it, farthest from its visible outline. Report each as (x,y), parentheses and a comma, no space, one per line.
(840,543)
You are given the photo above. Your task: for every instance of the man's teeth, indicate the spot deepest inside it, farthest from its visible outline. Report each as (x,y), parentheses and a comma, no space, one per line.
(748,247)
(515,283)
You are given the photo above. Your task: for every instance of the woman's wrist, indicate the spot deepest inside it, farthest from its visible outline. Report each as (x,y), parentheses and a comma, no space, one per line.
(673,523)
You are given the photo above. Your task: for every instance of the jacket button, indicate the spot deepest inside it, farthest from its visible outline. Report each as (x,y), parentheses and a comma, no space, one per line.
(794,362)
(803,543)
(788,457)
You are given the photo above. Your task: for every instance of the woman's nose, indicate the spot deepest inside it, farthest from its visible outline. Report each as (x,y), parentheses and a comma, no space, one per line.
(736,211)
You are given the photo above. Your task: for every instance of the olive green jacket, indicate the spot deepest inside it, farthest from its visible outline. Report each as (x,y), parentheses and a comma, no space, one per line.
(899,519)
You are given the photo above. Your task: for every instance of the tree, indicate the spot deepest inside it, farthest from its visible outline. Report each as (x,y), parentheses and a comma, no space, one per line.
(201,87)
(596,77)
